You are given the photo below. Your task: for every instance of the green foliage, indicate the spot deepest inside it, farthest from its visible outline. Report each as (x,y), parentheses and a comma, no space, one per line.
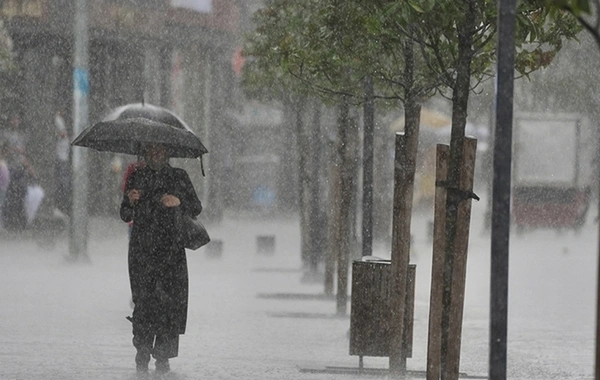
(578,7)
(540,36)
(585,12)
(537,37)
(569,84)
(295,42)
(328,47)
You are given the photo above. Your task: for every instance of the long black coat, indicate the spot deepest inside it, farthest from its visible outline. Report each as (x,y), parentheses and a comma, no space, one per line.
(157,263)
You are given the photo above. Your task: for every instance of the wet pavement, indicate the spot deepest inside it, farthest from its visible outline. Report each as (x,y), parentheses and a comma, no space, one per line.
(65,320)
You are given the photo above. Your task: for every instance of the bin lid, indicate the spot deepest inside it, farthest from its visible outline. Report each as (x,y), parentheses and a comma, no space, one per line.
(373,259)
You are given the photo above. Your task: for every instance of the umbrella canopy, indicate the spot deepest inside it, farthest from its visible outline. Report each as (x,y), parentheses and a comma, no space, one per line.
(126,129)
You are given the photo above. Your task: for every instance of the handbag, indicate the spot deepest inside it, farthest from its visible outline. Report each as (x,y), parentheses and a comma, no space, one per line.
(193,234)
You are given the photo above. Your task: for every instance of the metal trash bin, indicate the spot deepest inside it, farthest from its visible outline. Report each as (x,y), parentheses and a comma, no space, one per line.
(370,315)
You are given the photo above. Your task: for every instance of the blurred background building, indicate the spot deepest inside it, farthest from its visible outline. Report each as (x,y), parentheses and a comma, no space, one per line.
(180,54)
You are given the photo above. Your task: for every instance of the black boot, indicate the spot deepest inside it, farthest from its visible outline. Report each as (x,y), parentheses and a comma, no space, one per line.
(162,365)
(142,358)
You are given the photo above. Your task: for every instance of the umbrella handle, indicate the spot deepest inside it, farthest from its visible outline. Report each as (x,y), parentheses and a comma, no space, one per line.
(202,167)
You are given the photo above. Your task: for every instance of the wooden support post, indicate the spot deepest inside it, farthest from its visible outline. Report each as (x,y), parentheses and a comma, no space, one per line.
(434,342)
(459,268)
(333,222)
(409,312)
(403,191)
(347,142)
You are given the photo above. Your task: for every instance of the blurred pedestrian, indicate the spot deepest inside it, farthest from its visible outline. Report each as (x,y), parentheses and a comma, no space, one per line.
(4,177)
(22,174)
(156,196)
(62,167)
(14,135)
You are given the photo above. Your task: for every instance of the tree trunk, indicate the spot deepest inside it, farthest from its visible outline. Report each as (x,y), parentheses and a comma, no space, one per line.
(404,176)
(368,137)
(316,216)
(345,151)
(333,218)
(460,98)
(303,146)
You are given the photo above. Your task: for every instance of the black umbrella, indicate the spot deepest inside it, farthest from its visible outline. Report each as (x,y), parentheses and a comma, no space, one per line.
(128,128)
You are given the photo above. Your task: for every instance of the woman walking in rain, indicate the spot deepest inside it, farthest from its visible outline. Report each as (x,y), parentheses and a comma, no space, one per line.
(156,197)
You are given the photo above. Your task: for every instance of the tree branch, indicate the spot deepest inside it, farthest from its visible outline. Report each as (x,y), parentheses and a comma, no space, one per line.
(593,30)
(330,91)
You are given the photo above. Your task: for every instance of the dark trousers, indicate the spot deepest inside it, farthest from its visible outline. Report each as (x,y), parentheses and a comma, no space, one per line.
(13,209)
(151,333)
(161,346)
(62,193)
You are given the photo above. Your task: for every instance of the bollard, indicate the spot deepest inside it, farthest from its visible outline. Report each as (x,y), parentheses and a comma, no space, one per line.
(265,244)
(214,249)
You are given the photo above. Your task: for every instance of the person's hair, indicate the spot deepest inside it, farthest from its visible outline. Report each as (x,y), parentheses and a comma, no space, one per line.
(146,145)
(168,152)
